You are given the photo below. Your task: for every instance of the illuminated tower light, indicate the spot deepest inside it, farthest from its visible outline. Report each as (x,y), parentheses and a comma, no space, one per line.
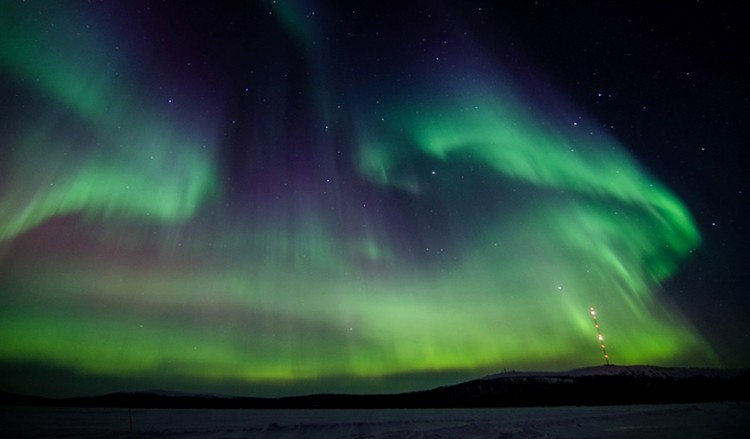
(599,335)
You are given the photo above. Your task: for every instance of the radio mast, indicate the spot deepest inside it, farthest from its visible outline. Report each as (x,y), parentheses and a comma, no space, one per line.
(599,335)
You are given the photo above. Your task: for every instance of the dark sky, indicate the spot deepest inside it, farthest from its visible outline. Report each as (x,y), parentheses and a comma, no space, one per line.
(289,197)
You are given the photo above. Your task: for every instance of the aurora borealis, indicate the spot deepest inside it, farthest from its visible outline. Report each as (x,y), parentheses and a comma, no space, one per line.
(286,197)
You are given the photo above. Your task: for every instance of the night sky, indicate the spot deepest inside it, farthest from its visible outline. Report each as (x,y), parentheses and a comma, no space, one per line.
(285,197)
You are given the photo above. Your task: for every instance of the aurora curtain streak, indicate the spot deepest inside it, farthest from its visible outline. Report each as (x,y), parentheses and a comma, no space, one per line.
(333,223)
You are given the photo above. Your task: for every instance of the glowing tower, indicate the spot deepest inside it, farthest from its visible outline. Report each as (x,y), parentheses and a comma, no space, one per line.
(599,335)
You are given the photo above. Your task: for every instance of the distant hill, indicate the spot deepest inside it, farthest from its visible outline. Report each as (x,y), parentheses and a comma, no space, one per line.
(602,385)
(650,371)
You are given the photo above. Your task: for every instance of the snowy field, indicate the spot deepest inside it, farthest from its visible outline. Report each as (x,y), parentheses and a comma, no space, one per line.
(664,421)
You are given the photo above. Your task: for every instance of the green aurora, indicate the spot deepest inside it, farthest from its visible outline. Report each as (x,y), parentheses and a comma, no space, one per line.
(462,230)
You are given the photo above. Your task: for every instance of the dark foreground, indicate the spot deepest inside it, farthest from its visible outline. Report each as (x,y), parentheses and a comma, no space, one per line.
(705,420)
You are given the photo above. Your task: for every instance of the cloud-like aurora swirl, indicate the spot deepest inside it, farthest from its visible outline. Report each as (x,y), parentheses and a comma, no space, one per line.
(465,229)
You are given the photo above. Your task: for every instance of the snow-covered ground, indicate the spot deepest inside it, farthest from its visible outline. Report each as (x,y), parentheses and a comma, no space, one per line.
(642,421)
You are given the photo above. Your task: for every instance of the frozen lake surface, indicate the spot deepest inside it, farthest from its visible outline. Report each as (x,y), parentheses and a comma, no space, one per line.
(640,421)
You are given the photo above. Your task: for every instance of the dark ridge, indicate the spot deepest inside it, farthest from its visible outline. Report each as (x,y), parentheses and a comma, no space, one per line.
(608,385)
